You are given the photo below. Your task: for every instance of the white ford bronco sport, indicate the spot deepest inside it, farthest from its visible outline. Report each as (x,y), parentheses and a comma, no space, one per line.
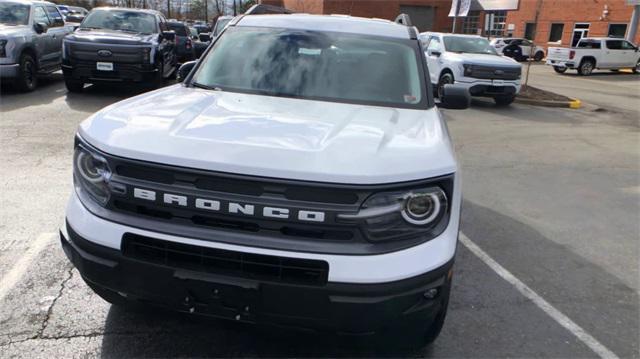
(299,175)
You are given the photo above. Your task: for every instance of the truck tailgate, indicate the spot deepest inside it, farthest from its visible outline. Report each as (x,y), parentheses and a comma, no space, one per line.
(558,54)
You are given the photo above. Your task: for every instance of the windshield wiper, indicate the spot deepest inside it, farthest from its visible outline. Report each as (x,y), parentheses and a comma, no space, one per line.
(206,87)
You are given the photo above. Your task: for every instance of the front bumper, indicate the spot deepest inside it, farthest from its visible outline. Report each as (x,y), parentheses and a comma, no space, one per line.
(9,71)
(489,88)
(87,72)
(336,307)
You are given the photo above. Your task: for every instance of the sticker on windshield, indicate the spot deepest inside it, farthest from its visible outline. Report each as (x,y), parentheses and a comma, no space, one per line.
(305,51)
(410,99)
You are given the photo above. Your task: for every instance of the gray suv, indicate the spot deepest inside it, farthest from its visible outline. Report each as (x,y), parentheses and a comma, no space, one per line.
(31,35)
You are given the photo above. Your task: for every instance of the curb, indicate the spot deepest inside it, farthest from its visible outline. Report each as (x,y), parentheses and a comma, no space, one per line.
(573,104)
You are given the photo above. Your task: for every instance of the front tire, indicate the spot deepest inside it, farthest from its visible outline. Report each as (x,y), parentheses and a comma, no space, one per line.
(445,79)
(586,67)
(560,69)
(637,68)
(74,85)
(504,100)
(538,56)
(27,79)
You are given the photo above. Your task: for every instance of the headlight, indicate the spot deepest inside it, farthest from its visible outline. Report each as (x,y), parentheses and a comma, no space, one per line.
(397,215)
(91,174)
(468,69)
(3,50)
(146,55)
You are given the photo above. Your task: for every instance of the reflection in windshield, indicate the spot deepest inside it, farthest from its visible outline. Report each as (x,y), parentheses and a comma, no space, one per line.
(120,20)
(14,13)
(308,64)
(474,45)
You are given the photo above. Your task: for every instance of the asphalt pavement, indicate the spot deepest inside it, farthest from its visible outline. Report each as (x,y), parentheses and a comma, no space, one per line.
(551,201)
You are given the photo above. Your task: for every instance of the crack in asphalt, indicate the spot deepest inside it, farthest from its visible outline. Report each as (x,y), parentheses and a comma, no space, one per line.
(45,322)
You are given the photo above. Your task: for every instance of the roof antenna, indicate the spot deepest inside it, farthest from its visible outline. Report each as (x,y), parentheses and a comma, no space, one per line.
(403,19)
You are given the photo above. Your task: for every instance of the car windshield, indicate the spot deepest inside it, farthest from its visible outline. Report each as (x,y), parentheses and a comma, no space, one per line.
(220,24)
(316,65)
(179,29)
(14,13)
(472,45)
(123,20)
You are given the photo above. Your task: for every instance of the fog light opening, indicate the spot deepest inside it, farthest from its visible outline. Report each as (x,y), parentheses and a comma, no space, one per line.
(431,293)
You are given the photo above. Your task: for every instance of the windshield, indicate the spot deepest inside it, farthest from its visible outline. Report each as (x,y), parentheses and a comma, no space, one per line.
(220,24)
(120,20)
(14,13)
(472,45)
(316,65)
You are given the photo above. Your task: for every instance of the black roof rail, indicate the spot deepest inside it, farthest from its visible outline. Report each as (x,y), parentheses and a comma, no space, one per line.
(262,9)
(403,19)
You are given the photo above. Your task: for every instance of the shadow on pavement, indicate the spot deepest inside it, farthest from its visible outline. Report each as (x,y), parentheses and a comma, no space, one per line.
(606,76)
(49,88)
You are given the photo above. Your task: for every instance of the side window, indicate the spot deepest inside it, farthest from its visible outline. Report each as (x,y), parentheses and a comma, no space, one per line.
(162,24)
(54,15)
(526,43)
(614,44)
(626,45)
(40,15)
(434,44)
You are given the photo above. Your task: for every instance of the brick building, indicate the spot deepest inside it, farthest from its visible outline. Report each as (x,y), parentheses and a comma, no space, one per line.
(559,23)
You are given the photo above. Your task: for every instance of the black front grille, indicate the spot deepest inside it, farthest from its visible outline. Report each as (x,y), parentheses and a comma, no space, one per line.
(495,72)
(225,262)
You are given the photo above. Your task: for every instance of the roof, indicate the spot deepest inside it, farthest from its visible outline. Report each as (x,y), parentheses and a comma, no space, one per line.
(334,23)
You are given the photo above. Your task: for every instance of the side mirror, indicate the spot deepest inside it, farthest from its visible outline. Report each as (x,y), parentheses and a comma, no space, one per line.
(455,97)
(435,53)
(169,35)
(205,37)
(40,27)
(184,70)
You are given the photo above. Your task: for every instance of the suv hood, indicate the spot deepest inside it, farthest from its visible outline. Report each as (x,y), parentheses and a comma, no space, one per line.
(104,36)
(274,137)
(482,59)
(11,30)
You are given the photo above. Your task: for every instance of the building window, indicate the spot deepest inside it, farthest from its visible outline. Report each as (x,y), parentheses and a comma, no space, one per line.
(499,23)
(555,34)
(529,30)
(470,23)
(617,30)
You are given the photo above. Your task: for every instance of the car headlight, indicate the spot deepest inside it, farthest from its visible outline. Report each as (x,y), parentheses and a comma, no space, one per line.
(3,49)
(146,55)
(397,215)
(91,174)
(468,69)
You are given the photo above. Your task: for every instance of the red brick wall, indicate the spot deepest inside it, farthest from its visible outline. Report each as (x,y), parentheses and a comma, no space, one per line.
(569,12)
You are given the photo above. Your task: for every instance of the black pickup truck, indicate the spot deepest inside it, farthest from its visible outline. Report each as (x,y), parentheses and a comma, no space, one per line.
(119,45)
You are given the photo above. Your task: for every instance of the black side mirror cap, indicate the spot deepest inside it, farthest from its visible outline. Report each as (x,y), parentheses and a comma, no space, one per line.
(435,53)
(184,70)
(40,27)
(205,37)
(169,35)
(455,97)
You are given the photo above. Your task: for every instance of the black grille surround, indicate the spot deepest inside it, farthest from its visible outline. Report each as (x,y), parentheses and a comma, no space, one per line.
(492,72)
(225,262)
(329,237)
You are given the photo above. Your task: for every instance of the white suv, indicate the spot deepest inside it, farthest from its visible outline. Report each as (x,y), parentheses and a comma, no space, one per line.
(517,48)
(470,61)
(299,175)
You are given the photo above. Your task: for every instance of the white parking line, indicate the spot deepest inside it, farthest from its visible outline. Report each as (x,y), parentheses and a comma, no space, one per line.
(554,313)
(15,273)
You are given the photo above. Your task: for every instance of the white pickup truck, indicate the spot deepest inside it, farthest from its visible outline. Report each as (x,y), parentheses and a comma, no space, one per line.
(595,53)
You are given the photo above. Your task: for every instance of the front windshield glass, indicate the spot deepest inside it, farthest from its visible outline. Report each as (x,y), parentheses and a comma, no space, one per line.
(123,20)
(316,65)
(472,45)
(14,13)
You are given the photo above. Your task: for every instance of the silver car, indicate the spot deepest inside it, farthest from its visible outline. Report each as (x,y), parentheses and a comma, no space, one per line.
(31,35)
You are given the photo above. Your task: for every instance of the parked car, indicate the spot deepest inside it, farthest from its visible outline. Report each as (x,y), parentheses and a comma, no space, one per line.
(78,10)
(184,44)
(518,48)
(301,175)
(63,9)
(194,33)
(595,53)
(75,16)
(202,28)
(119,45)
(221,23)
(31,35)
(470,61)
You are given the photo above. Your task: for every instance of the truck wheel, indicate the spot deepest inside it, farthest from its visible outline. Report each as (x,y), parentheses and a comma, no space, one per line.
(74,85)
(504,100)
(158,81)
(560,69)
(637,68)
(586,68)
(538,56)
(109,295)
(445,78)
(27,79)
